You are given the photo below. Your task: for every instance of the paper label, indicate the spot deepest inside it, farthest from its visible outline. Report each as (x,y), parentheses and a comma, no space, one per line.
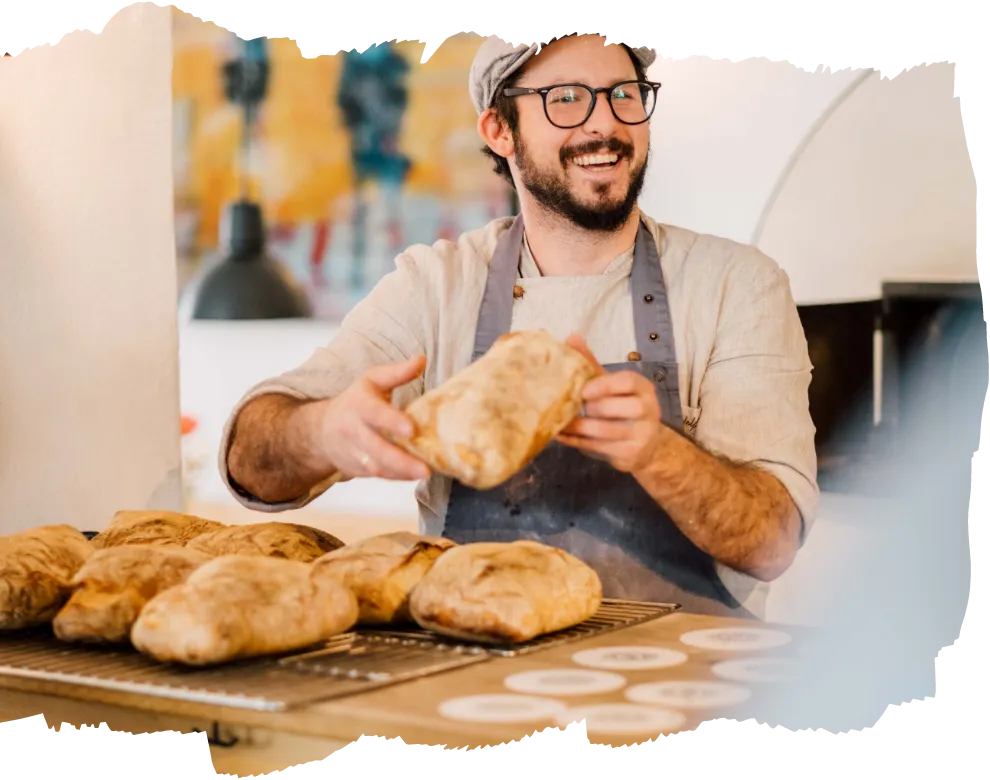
(689,694)
(624,719)
(565,682)
(629,657)
(736,639)
(756,669)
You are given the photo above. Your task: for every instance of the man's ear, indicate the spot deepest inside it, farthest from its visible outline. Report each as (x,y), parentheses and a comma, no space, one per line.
(495,133)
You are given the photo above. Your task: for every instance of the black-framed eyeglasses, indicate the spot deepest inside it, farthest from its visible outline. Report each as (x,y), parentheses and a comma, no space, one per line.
(570,105)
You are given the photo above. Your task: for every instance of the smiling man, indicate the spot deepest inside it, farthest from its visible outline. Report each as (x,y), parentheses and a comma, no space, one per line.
(692,475)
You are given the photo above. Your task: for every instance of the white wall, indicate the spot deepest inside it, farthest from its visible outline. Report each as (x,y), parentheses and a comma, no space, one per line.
(885,191)
(722,133)
(88,339)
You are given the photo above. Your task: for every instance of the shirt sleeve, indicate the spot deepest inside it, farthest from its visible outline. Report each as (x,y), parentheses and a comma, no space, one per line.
(754,393)
(390,325)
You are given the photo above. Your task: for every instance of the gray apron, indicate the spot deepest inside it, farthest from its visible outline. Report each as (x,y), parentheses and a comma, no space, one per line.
(583,505)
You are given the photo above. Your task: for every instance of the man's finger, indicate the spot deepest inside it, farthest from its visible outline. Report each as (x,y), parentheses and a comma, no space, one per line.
(622,407)
(387,460)
(576,342)
(621,383)
(393,375)
(385,418)
(600,430)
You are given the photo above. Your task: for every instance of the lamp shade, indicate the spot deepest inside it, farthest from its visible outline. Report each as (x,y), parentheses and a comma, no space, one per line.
(248,284)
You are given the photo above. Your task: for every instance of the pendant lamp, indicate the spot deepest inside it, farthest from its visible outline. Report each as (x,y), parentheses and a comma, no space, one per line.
(248,284)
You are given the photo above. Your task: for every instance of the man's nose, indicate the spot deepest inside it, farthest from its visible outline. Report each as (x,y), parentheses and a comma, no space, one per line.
(602,121)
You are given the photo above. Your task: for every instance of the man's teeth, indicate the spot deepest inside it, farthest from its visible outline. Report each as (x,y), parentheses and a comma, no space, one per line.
(597,159)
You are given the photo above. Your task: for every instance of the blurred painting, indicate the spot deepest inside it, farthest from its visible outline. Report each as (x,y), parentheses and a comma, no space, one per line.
(352,157)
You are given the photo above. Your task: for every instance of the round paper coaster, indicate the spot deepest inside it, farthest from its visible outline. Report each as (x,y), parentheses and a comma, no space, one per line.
(623,719)
(629,657)
(738,639)
(564,682)
(500,708)
(760,670)
(689,694)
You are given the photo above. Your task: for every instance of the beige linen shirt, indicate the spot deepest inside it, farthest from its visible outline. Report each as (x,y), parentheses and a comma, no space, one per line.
(742,356)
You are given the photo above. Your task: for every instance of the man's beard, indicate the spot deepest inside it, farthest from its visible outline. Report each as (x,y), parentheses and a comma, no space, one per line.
(553,193)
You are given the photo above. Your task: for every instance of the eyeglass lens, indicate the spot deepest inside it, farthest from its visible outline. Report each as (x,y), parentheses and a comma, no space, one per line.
(570,106)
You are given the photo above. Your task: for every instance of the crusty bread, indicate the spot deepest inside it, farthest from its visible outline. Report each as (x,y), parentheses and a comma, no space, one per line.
(36,571)
(241,606)
(113,586)
(274,540)
(153,527)
(382,571)
(505,592)
(487,422)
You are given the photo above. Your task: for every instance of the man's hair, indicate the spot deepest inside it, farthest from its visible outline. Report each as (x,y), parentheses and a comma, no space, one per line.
(505,109)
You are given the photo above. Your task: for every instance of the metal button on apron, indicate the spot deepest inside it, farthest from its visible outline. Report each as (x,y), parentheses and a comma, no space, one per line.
(518,292)
(648,298)
(659,376)
(634,357)
(654,337)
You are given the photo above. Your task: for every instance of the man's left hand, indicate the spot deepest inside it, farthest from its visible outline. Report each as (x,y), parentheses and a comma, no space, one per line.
(622,417)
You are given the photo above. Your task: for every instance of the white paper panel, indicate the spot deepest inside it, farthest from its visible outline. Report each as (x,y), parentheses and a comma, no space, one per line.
(89,392)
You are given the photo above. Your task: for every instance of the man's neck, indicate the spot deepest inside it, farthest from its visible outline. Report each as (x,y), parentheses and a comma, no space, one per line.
(560,248)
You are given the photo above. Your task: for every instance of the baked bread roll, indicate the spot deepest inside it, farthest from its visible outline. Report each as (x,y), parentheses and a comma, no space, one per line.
(152,527)
(505,592)
(488,422)
(381,572)
(36,571)
(113,586)
(274,540)
(242,606)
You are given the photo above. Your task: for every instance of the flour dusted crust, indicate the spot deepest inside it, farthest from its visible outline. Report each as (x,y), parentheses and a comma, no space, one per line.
(36,571)
(487,422)
(114,585)
(242,606)
(153,527)
(274,540)
(382,570)
(505,592)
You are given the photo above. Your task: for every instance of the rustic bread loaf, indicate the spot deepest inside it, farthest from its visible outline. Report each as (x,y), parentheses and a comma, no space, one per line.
(505,592)
(487,422)
(241,606)
(274,540)
(114,585)
(152,527)
(36,571)
(381,572)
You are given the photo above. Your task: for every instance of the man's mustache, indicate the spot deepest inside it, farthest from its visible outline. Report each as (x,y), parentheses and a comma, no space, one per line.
(611,146)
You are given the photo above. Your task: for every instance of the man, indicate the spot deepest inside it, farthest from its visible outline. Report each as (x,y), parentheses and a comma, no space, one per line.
(691,477)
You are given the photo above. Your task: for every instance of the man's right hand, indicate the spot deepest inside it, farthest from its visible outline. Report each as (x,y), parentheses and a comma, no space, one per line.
(348,433)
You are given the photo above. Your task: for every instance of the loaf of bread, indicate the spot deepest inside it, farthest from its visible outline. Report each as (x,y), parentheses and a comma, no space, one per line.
(505,592)
(113,586)
(274,540)
(382,571)
(241,606)
(488,422)
(36,571)
(152,527)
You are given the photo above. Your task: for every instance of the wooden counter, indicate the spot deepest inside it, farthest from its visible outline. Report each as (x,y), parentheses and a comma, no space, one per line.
(274,741)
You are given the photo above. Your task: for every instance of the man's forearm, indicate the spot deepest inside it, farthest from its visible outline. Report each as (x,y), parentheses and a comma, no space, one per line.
(271,454)
(740,515)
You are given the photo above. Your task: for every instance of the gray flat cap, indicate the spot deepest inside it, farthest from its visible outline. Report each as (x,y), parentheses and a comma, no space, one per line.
(497,60)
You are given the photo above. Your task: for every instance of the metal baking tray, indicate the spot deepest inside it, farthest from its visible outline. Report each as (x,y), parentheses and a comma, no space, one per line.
(348,664)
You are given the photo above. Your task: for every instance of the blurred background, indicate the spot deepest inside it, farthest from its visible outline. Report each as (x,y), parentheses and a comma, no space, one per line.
(351,157)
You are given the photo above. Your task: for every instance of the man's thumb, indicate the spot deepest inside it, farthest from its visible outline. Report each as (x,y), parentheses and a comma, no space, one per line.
(393,375)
